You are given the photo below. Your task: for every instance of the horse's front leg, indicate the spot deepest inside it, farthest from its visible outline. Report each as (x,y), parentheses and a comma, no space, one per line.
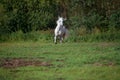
(55,39)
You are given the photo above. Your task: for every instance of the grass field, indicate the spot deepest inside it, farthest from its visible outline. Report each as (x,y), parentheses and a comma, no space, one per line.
(67,61)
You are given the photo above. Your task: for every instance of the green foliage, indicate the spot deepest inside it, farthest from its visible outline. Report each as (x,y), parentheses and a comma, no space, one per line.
(90,21)
(27,16)
(41,15)
(114,20)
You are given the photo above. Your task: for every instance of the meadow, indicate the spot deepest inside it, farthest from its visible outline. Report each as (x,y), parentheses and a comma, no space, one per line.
(91,51)
(67,61)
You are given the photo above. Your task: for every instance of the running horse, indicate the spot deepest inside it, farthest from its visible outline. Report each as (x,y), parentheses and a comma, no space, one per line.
(60,30)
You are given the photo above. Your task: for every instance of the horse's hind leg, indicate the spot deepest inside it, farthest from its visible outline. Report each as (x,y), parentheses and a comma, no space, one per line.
(61,39)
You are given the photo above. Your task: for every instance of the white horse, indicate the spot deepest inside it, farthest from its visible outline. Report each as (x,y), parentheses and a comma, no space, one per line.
(60,30)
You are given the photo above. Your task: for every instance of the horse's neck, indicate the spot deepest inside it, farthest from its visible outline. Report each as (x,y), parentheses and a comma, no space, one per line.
(59,26)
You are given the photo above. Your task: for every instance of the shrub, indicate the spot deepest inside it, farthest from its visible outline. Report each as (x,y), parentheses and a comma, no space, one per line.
(114,20)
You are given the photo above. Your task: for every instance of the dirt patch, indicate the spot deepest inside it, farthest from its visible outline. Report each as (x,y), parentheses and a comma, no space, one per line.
(13,63)
(104,64)
(106,44)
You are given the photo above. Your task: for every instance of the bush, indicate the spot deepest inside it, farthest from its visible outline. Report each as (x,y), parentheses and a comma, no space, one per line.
(114,20)
(89,21)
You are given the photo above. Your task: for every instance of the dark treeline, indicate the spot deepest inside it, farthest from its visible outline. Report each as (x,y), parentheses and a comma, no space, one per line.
(33,15)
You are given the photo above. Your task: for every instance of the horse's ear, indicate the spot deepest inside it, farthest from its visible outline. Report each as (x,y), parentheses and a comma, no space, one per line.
(58,17)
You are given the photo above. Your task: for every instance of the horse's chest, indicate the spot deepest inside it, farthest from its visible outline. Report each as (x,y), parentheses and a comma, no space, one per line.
(60,31)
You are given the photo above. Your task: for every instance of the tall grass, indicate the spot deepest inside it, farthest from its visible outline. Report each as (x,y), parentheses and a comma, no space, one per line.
(45,36)
(75,35)
(82,35)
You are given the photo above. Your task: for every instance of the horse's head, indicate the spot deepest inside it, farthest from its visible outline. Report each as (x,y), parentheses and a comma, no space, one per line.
(60,20)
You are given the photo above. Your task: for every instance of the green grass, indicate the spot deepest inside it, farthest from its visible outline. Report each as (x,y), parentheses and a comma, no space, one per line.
(71,61)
